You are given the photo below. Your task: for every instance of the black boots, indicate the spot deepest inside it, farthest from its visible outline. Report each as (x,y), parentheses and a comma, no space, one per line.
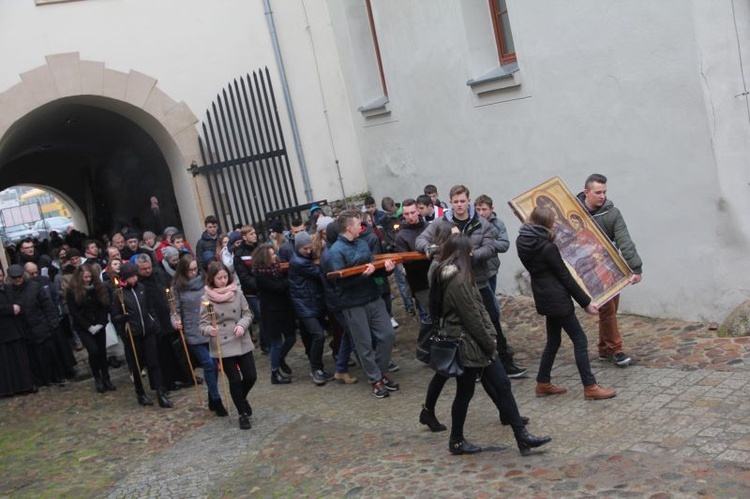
(100,388)
(279,379)
(459,447)
(245,422)
(505,422)
(526,441)
(218,407)
(143,399)
(285,367)
(429,419)
(108,385)
(164,401)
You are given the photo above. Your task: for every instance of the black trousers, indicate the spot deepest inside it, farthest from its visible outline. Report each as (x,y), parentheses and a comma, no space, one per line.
(240,372)
(495,383)
(506,357)
(96,346)
(148,357)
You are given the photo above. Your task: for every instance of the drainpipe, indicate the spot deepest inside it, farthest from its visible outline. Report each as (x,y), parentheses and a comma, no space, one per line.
(288,101)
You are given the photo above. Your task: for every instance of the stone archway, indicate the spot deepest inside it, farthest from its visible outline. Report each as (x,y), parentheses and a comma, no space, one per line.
(135,96)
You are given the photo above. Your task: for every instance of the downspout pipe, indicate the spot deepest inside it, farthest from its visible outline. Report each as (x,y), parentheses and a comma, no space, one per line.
(288,101)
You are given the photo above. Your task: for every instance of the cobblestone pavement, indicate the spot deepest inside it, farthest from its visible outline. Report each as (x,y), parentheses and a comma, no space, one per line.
(679,427)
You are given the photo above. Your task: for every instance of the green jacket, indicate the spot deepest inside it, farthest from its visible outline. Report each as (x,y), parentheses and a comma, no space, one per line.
(463,312)
(610,220)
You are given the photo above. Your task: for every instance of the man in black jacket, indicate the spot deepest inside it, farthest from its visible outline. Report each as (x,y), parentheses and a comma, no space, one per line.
(416,272)
(134,318)
(243,267)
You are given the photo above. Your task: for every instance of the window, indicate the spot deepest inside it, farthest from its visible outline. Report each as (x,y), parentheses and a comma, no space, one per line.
(377,46)
(503,35)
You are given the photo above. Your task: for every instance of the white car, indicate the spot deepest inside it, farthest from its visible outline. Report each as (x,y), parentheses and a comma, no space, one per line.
(52,224)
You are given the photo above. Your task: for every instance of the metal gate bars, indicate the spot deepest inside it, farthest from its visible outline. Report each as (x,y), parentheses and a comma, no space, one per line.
(244,155)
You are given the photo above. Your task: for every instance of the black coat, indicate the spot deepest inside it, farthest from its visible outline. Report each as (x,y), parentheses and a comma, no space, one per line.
(306,288)
(243,267)
(551,281)
(416,272)
(156,289)
(10,325)
(38,312)
(139,312)
(276,310)
(90,312)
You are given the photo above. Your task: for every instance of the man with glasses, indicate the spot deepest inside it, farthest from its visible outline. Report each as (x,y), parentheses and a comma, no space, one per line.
(28,253)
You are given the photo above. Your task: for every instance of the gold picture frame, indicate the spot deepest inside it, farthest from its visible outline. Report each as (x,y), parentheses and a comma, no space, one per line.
(588,253)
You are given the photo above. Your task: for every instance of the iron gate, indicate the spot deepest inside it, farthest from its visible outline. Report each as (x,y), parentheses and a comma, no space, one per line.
(244,156)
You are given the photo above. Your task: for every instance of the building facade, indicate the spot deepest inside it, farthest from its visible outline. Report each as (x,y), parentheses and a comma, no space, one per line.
(105,103)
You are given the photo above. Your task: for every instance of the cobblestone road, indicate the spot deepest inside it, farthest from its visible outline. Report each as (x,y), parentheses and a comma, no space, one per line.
(679,427)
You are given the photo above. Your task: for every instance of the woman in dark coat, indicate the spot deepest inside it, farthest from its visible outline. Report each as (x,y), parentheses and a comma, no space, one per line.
(276,311)
(456,302)
(553,287)
(88,306)
(15,369)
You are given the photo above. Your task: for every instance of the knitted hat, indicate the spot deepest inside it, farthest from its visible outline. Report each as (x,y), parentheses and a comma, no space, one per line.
(323,222)
(128,270)
(234,236)
(169,252)
(302,239)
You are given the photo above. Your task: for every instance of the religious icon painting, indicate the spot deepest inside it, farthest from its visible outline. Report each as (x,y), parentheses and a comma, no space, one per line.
(591,257)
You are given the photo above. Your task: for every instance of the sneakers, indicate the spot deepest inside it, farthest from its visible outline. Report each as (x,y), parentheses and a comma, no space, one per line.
(597,392)
(379,391)
(514,371)
(320,377)
(618,359)
(544,389)
(279,379)
(393,367)
(245,422)
(394,323)
(345,379)
(389,385)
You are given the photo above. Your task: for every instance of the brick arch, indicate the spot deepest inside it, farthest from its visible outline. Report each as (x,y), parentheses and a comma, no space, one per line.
(133,95)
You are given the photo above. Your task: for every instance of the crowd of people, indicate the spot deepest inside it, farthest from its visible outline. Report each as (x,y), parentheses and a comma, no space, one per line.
(172,308)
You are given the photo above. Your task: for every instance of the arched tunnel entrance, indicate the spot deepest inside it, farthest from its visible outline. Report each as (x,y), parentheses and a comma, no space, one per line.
(105,165)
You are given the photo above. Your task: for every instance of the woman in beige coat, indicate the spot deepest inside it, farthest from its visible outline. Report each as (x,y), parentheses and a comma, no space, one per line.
(230,336)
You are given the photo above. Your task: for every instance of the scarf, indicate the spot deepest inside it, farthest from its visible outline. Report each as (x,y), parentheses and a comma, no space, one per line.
(273,270)
(221,295)
(195,283)
(168,268)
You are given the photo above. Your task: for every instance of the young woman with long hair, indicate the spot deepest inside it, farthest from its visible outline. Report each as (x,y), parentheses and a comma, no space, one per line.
(553,287)
(187,289)
(455,301)
(276,310)
(229,331)
(88,305)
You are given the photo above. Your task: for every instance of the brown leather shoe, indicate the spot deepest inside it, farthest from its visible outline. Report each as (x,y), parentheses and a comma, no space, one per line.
(345,378)
(544,389)
(597,392)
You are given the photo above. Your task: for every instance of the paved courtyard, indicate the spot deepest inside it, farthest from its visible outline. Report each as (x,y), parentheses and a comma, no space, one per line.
(679,427)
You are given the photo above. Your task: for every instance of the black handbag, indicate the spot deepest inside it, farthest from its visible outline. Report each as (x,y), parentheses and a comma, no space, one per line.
(446,355)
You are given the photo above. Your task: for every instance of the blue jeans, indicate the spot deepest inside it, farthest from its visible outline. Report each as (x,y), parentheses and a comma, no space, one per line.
(210,370)
(398,274)
(280,348)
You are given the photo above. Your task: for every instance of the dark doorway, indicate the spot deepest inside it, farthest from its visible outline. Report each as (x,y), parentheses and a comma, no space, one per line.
(109,166)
